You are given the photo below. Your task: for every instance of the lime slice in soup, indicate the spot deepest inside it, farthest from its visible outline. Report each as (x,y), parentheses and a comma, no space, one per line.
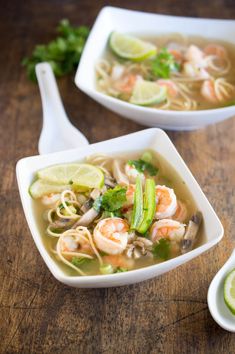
(77,174)
(40,188)
(229,291)
(146,93)
(129,47)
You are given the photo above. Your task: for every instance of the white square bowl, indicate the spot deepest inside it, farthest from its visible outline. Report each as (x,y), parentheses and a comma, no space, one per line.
(140,23)
(154,139)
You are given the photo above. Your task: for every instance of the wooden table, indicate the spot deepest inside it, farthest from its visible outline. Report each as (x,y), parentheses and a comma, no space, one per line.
(168,314)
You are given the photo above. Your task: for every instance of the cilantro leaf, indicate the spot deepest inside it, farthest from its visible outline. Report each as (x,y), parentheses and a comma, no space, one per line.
(162,249)
(142,166)
(111,202)
(164,64)
(78,261)
(114,199)
(121,270)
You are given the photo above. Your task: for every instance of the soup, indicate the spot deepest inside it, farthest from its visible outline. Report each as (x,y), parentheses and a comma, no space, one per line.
(113,214)
(170,72)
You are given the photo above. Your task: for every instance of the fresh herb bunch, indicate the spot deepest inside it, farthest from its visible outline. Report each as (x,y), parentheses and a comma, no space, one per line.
(63,53)
(142,166)
(164,64)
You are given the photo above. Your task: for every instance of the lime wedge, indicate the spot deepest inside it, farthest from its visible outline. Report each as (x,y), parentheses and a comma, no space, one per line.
(77,174)
(146,93)
(129,47)
(229,291)
(40,188)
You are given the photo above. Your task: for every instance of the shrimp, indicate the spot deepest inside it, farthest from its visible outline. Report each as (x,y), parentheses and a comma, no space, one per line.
(208,91)
(119,261)
(217,90)
(50,199)
(217,50)
(181,212)
(169,229)
(171,87)
(117,71)
(166,202)
(70,243)
(111,235)
(195,55)
(132,173)
(129,196)
(176,54)
(127,84)
(192,70)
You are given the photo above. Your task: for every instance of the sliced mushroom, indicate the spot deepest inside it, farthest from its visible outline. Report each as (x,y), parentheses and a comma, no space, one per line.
(129,250)
(87,218)
(95,193)
(62,223)
(191,233)
(87,205)
(109,182)
(120,176)
(136,253)
(145,241)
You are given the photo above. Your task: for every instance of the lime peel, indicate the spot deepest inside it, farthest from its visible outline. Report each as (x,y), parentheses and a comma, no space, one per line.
(146,93)
(76,174)
(129,47)
(229,291)
(40,188)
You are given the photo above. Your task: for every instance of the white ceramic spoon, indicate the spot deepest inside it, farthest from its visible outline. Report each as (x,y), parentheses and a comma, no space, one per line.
(57,132)
(215,297)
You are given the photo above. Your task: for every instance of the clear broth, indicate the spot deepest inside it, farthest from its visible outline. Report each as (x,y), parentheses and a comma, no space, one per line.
(166,176)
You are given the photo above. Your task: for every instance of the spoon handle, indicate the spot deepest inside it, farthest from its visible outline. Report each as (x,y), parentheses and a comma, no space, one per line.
(53,109)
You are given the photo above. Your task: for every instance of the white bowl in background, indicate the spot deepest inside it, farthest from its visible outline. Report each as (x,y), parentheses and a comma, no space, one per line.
(154,139)
(140,23)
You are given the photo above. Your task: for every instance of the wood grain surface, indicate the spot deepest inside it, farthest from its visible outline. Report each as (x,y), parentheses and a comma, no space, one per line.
(168,314)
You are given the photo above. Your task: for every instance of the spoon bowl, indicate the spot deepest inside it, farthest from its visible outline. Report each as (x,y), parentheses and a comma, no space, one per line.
(57,133)
(215,298)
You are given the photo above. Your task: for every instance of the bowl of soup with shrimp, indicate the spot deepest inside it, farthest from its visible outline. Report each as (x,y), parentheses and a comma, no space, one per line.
(115,216)
(172,72)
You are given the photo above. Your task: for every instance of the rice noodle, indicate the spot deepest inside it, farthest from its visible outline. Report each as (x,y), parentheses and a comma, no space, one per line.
(80,233)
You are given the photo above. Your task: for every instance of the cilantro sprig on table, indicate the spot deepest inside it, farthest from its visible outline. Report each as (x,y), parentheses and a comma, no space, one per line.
(164,64)
(63,53)
(111,201)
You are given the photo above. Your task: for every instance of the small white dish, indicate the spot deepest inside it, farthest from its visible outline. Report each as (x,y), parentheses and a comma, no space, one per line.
(154,139)
(215,298)
(140,23)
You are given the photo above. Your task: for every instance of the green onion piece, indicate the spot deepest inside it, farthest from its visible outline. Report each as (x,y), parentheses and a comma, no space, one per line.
(121,270)
(106,269)
(137,213)
(147,157)
(149,205)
